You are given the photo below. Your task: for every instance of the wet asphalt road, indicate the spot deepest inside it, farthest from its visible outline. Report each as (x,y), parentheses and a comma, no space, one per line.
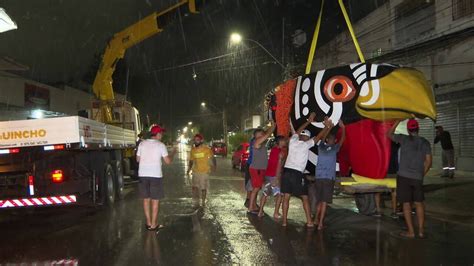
(221,233)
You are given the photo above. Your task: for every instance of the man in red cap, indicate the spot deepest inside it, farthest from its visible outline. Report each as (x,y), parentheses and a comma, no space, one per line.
(149,155)
(415,161)
(199,163)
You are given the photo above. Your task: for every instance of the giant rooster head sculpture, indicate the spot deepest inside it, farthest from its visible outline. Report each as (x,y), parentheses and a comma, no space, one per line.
(366,97)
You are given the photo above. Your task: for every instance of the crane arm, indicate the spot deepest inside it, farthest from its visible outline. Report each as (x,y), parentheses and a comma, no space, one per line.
(118,45)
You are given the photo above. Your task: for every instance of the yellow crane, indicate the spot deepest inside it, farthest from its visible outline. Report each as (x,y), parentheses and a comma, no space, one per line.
(116,48)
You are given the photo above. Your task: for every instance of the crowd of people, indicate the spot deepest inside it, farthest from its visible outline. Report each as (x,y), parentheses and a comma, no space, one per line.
(282,173)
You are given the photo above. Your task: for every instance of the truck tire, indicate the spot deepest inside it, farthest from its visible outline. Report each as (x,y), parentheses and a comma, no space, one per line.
(118,180)
(365,202)
(107,189)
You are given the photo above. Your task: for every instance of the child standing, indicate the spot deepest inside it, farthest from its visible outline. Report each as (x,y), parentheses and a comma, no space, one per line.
(326,173)
(276,161)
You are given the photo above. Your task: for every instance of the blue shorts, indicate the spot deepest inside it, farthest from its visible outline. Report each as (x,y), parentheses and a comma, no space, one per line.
(271,187)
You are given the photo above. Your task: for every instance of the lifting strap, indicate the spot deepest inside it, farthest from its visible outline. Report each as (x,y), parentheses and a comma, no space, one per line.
(316,34)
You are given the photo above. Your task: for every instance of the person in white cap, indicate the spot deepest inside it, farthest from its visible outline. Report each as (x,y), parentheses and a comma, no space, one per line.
(293,182)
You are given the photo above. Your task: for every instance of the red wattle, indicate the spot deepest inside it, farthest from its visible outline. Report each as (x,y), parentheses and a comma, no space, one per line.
(366,149)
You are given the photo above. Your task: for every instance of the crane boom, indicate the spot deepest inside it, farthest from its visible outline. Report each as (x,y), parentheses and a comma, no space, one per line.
(118,45)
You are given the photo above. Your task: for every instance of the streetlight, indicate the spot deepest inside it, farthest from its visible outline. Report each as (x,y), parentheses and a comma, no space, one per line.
(190,122)
(236,38)
(203,104)
(6,23)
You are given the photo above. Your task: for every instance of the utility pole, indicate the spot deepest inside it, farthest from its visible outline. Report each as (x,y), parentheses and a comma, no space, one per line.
(224,126)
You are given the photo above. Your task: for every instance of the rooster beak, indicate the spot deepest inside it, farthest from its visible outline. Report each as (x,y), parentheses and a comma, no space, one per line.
(404,93)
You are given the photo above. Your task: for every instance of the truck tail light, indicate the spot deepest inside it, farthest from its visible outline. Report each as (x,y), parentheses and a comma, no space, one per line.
(31,185)
(57,176)
(9,151)
(53,147)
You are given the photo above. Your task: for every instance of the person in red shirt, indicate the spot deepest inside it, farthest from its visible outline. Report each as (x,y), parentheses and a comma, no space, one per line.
(276,161)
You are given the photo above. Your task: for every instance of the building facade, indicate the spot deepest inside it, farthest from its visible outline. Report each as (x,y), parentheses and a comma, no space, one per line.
(434,36)
(21,94)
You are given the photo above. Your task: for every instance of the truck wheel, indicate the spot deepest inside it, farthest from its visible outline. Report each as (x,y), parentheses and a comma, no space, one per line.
(118,179)
(365,202)
(107,192)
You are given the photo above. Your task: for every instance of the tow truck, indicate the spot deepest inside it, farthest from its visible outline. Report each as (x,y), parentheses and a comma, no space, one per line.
(62,160)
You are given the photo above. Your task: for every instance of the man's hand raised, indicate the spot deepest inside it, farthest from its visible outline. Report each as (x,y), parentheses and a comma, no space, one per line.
(311,117)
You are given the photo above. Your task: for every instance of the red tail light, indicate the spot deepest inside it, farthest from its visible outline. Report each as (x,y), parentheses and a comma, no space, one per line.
(57,176)
(9,151)
(31,185)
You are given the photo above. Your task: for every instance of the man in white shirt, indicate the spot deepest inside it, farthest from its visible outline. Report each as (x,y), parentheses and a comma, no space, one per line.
(149,154)
(293,182)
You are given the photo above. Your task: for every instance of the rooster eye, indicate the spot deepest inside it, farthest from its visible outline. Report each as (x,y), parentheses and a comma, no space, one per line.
(339,89)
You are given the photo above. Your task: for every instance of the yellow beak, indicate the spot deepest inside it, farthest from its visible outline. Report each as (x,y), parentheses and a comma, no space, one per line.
(402,94)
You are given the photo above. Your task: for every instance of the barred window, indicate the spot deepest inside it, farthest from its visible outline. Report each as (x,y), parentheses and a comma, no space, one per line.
(462,8)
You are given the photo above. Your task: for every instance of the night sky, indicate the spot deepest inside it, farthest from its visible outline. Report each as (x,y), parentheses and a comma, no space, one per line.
(62,40)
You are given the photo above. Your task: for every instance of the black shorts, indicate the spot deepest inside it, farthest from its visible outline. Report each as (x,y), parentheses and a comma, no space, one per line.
(294,183)
(151,187)
(409,190)
(324,190)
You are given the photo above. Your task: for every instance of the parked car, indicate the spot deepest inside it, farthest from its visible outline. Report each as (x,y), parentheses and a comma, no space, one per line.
(244,158)
(238,155)
(219,149)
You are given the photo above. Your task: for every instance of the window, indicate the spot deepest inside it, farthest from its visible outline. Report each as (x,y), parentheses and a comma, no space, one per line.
(462,8)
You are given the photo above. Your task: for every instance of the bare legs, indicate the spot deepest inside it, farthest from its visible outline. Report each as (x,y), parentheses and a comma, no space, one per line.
(408,220)
(151,214)
(276,213)
(253,200)
(203,197)
(146,208)
(286,205)
(377,203)
(155,206)
(263,200)
(420,214)
(307,211)
(196,196)
(320,214)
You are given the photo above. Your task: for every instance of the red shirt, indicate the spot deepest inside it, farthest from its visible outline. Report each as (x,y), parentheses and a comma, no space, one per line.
(273,161)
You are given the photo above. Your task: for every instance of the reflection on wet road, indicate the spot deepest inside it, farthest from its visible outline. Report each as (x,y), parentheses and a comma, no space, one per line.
(221,233)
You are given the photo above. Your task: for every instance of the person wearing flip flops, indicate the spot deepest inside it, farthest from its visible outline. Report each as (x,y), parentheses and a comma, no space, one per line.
(272,176)
(259,165)
(293,182)
(415,161)
(200,159)
(150,152)
(326,172)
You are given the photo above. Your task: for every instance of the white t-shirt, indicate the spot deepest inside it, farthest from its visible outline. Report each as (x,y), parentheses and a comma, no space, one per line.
(298,153)
(151,151)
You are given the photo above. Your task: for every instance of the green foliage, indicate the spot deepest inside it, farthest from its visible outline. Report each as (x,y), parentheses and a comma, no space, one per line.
(237,139)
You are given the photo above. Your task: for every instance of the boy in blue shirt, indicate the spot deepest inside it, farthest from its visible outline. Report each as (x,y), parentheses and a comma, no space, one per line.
(326,173)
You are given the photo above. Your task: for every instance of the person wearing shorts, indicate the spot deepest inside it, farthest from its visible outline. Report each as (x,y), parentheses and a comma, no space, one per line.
(199,163)
(150,152)
(326,173)
(247,184)
(293,182)
(415,162)
(259,165)
(272,176)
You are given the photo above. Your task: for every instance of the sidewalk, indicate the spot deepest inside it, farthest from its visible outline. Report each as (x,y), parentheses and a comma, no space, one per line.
(450,199)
